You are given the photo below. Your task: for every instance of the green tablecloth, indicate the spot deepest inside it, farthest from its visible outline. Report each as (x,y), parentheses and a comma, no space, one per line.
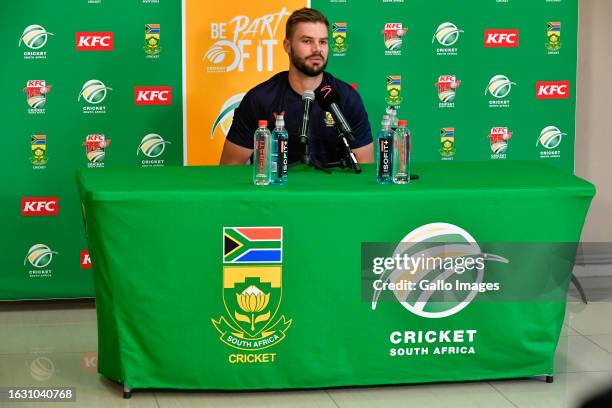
(162,240)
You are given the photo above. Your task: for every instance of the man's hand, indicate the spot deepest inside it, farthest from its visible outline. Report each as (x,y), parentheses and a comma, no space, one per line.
(365,154)
(234,154)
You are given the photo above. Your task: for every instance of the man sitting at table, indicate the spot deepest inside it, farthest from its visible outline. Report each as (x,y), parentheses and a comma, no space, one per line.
(306,43)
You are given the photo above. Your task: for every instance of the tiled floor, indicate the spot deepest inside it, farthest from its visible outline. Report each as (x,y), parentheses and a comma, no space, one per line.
(53,344)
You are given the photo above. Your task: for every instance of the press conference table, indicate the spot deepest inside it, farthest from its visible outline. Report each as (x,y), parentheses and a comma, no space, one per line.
(205,281)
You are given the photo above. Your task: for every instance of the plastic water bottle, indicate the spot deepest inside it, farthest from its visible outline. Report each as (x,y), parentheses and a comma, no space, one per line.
(384,152)
(280,152)
(262,170)
(401,154)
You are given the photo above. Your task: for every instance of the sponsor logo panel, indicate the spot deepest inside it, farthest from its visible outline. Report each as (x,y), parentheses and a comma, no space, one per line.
(152,95)
(95,41)
(39,206)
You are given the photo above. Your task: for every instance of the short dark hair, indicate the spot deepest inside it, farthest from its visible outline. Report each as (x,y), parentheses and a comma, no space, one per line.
(303,15)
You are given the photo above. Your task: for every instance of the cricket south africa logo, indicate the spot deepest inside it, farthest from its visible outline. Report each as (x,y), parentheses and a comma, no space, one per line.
(394,34)
(38,154)
(394,90)
(36,91)
(339,43)
(499,88)
(447,143)
(94,92)
(553,33)
(499,137)
(447,35)
(152,146)
(550,139)
(152,38)
(447,89)
(39,257)
(422,285)
(252,291)
(34,37)
(95,150)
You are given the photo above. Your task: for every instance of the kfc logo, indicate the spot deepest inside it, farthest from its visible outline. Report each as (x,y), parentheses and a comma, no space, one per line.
(35,83)
(102,41)
(39,206)
(501,38)
(153,95)
(553,90)
(85,259)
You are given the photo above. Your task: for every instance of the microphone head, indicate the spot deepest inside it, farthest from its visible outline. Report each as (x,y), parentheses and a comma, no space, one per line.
(308,95)
(326,95)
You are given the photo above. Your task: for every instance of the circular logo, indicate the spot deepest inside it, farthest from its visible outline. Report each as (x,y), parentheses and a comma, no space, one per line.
(42,368)
(438,242)
(500,86)
(216,54)
(95,156)
(37,101)
(34,36)
(152,145)
(447,96)
(499,147)
(550,137)
(447,34)
(94,91)
(394,43)
(39,256)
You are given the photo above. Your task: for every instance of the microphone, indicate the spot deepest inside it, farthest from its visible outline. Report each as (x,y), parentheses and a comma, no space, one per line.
(308,98)
(328,99)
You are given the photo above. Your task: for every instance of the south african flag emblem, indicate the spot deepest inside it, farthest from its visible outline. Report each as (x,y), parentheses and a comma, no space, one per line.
(252,245)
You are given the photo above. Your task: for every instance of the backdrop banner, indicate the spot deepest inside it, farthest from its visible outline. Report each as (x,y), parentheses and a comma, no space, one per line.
(91,84)
(490,80)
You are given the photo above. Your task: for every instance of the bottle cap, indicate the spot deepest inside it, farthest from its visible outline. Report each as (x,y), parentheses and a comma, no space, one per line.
(262,123)
(386,121)
(402,123)
(280,120)
(392,115)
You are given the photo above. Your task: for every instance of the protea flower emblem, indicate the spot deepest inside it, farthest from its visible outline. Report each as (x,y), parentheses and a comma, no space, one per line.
(252,300)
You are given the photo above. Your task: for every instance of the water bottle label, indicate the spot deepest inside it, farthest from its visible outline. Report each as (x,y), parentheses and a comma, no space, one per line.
(283,158)
(385,158)
(261,160)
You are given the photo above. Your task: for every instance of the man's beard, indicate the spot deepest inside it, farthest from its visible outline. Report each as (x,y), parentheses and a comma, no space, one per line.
(300,64)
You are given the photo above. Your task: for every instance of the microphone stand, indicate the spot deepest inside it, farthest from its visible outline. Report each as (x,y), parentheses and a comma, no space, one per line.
(349,159)
(306,156)
(307,160)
